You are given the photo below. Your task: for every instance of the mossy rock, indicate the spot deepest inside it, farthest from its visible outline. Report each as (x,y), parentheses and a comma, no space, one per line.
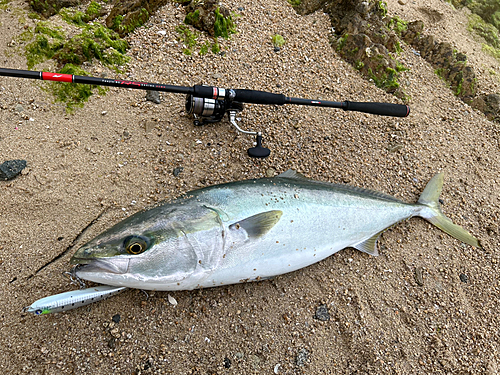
(48,8)
(126,16)
(211,17)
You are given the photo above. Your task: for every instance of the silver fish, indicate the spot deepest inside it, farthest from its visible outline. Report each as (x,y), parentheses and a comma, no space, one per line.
(249,230)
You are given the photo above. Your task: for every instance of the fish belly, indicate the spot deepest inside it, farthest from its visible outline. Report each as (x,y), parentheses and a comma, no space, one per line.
(305,234)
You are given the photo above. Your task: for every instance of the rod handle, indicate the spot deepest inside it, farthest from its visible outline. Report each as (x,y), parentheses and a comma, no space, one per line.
(383,109)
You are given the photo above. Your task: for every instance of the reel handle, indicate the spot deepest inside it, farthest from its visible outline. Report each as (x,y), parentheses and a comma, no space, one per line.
(258,151)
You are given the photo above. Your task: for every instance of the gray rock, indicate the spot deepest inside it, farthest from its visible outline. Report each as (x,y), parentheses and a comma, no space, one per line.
(177,171)
(11,168)
(322,313)
(153,96)
(302,357)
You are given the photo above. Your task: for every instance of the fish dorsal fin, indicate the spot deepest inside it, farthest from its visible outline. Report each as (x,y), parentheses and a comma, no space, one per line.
(293,174)
(260,224)
(369,246)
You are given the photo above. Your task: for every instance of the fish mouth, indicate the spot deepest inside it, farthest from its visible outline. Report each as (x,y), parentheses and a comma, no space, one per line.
(115,266)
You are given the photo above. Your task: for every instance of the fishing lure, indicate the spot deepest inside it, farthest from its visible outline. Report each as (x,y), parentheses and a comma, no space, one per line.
(72,299)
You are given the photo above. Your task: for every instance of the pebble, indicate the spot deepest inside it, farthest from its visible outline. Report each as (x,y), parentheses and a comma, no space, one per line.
(11,168)
(227,362)
(464,278)
(153,96)
(322,313)
(419,278)
(19,108)
(116,318)
(270,172)
(112,343)
(177,171)
(302,357)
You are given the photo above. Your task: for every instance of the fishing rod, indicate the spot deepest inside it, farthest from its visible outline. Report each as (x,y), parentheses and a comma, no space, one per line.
(209,104)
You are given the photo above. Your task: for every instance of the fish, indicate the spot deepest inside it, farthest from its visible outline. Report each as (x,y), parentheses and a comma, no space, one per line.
(72,299)
(249,230)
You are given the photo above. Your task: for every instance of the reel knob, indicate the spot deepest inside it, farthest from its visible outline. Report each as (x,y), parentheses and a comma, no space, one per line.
(258,151)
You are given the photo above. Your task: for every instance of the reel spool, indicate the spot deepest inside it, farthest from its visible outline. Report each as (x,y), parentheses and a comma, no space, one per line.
(213,110)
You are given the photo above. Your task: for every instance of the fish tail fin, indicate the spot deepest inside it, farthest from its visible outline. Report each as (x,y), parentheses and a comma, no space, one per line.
(430,199)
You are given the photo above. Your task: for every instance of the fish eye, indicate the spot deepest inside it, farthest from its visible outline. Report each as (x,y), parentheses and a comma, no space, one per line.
(135,245)
(38,312)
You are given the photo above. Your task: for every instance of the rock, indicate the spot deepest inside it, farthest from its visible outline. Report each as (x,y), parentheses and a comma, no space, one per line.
(153,96)
(489,104)
(127,15)
(48,8)
(11,168)
(19,108)
(227,363)
(270,172)
(112,343)
(419,278)
(464,278)
(116,318)
(322,313)
(177,171)
(202,15)
(302,357)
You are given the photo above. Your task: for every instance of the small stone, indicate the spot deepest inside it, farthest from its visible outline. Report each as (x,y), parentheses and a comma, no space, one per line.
(19,108)
(227,362)
(112,343)
(270,172)
(172,300)
(277,49)
(302,357)
(116,318)
(177,171)
(11,168)
(322,313)
(402,2)
(149,126)
(238,355)
(153,96)
(464,278)
(419,278)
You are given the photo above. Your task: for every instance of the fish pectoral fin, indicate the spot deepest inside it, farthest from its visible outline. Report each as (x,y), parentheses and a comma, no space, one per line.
(369,246)
(260,224)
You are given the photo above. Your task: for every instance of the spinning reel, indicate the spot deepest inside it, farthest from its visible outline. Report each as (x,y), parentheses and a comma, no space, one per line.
(209,104)
(213,110)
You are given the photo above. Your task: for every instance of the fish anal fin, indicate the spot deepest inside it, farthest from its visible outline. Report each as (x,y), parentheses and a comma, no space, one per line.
(369,245)
(259,224)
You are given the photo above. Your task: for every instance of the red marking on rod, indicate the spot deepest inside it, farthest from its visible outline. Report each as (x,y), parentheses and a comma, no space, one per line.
(215,93)
(130,83)
(46,76)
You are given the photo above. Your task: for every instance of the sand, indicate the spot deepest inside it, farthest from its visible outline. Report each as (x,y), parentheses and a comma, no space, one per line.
(427,304)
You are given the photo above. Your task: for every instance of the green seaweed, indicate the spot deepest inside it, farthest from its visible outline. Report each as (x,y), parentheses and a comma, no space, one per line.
(341,42)
(223,26)
(278,40)
(73,94)
(398,25)
(188,37)
(192,18)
